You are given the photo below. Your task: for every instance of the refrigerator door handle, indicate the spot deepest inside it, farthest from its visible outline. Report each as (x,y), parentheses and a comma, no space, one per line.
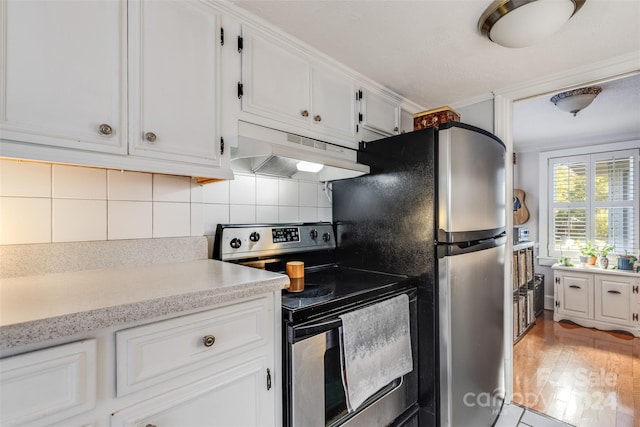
(468,247)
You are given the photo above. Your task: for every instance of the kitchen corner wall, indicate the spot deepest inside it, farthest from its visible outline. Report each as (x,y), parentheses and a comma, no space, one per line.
(45,203)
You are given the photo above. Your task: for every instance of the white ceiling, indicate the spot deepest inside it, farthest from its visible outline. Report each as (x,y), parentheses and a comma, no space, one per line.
(431,52)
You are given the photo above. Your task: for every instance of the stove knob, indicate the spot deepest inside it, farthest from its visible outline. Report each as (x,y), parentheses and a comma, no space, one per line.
(236,243)
(326,237)
(254,237)
(313,234)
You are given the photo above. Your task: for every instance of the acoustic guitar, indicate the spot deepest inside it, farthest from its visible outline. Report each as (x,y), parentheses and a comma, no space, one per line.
(520,212)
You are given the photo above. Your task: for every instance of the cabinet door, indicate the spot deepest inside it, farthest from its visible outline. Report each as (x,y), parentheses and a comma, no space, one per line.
(380,113)
(406,121)
(240,396)
(613,299)
(333,103)
(64,73)
(575,292)
(276,79)
(173,51)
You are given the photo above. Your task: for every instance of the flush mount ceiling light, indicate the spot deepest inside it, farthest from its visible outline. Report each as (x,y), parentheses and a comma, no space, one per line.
(520,23)
(575,100)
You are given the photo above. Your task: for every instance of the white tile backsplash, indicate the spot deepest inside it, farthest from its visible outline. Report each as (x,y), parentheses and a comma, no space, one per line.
(74,182)
(171,219)
(266,214)
(169,188)
(242,214)
(288,192)
(212,216)
(288,214)
(25,179)
(197,224)
(129,220)
(126,185)
(79,220)
(44,203)
(25,220)
(323,199)
(242,190)
(216,192)
(308,194)
(266,191)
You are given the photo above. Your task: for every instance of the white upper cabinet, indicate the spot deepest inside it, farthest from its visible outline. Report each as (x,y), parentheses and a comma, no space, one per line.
(64,73)
(173,68)
(333,102)
(379,112)
(275,80)
(284,84)
(406,121)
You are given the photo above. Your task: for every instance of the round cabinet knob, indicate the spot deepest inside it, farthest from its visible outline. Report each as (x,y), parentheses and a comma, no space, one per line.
(326,237)
(105,129)
(208,340)
(254,237)
(235,243)
(304,113)
(150,137)
(395,129)
(313,234)
(317,118)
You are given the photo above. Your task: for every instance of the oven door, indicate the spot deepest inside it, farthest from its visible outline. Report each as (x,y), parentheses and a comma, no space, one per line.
(316,393)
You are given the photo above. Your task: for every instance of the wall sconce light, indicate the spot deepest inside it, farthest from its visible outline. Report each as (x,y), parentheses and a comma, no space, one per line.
(521,23)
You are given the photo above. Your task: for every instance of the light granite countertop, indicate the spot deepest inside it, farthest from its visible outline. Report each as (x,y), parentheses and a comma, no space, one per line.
(595,269)
(39,308)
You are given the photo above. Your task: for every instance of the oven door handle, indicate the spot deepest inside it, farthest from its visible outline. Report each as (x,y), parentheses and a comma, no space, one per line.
(298,333)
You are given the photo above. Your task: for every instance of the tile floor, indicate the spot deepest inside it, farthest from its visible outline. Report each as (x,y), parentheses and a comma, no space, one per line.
(516,416)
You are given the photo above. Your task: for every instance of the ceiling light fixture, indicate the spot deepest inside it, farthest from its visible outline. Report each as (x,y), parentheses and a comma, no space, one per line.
(575,100)
(521,23)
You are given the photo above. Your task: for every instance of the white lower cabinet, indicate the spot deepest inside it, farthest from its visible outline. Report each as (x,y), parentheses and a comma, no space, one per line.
(608,300)
(46,386)
(238,396)
(217,367)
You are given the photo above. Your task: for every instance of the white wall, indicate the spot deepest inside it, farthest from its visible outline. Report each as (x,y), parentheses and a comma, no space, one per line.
(479,114)
(45,203)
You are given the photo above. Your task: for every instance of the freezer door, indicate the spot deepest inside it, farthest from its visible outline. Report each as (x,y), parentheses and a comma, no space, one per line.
(471,337)
(471,185)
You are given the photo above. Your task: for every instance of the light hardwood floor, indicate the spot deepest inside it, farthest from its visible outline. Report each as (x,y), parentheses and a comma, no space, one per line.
(583,376)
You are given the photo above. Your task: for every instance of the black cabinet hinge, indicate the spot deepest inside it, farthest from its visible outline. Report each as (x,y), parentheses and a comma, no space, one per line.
(221,146)
(635,289)
(357,128)
(221,36)
(240,44)
(557,303)
(268,379)
(360,117)
(240,90)
(359,95)
(635,316)
(557,280)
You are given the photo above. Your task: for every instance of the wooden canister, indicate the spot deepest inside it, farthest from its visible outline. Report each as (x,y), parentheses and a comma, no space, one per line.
(295,271)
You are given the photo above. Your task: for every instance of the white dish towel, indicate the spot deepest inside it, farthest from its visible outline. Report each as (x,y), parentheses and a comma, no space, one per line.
(375,348)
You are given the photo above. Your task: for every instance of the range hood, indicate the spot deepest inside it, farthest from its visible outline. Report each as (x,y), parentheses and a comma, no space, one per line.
(266,151)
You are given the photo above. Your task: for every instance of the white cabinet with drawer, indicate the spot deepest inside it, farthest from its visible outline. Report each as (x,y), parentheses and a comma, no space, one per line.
(47,386)
(185,346)
(603,299)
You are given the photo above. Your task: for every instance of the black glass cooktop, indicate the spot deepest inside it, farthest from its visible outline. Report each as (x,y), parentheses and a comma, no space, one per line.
(333,288)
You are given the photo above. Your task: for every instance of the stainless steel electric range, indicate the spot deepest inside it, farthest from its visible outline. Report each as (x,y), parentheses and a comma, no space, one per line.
(312,374)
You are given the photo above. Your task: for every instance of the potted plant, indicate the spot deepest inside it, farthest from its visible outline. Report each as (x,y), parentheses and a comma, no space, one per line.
(603,261)
(588,253)
(626,262)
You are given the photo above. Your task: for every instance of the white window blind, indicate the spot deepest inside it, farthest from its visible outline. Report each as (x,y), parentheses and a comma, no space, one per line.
(595,198)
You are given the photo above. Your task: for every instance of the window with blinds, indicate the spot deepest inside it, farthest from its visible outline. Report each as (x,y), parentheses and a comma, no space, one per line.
(594,198)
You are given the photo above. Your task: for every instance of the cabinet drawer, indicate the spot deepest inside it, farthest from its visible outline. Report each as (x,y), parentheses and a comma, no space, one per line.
(150,354)
(49,385)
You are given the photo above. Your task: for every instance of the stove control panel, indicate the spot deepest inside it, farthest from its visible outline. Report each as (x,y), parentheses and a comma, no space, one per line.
(233,242)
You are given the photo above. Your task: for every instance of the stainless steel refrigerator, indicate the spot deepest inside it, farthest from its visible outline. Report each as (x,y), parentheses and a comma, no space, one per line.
(434,207)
